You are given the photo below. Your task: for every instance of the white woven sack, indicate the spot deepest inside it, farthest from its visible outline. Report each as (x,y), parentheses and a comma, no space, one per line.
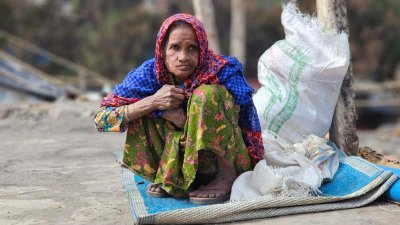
(300,78)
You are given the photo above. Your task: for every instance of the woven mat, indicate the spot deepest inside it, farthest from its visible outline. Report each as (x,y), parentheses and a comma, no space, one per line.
(364,183)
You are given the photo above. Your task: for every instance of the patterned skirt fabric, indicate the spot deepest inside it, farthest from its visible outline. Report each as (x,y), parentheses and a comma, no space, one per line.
(162,153)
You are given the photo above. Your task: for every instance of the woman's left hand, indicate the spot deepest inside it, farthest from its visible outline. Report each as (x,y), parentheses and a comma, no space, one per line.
(176,116)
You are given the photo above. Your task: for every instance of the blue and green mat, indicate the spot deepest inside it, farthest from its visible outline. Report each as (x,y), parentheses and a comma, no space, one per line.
(356,183)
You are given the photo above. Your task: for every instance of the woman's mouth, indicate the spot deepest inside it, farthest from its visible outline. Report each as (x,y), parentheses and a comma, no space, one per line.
(184,67)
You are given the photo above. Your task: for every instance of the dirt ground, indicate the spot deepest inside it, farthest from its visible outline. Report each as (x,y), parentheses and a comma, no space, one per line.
(55,168)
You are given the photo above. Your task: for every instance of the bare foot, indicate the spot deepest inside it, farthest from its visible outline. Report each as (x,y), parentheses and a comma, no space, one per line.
(222,183)
(155,190)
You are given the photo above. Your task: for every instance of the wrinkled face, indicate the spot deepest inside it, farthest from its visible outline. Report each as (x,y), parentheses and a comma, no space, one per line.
(181,53)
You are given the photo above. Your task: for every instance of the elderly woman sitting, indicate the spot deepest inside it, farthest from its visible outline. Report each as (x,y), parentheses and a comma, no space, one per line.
(189,115)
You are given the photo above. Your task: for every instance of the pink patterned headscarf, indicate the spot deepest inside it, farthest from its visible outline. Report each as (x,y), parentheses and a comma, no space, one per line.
(209,63)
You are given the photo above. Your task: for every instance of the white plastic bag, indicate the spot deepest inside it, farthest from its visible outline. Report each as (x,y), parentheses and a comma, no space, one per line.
(300,78)
(288,171)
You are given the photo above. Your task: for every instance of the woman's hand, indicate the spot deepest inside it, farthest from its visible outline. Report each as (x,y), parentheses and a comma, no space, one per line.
(176,116)
(168,97)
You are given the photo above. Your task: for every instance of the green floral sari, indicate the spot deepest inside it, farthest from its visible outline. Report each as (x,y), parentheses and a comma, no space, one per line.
(162,153)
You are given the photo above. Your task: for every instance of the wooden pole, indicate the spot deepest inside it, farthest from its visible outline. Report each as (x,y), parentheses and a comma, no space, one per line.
(82,77)
(238,30)
(204,11)
(333,14)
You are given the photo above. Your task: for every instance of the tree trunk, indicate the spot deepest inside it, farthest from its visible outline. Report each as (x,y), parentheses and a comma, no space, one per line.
(343,133)
(238,30)
(204,11)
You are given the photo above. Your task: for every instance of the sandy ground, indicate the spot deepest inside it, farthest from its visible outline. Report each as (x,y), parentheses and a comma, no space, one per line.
(55,168)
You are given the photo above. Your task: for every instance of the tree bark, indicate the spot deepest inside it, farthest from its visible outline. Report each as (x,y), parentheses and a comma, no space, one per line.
(238,30)
(204,11)
(333,14)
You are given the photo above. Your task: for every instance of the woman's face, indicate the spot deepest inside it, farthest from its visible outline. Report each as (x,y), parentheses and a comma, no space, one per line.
(182,53)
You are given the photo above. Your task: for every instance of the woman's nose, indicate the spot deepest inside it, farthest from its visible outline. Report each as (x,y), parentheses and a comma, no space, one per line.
(183,55)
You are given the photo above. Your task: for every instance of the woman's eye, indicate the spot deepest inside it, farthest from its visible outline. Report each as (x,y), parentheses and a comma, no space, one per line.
(175,47)
(192,48)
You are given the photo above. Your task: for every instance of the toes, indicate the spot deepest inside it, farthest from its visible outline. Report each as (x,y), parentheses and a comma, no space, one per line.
(203,195)
(158,189)
(208,193)
(155,188)
(194,193)
(212,195)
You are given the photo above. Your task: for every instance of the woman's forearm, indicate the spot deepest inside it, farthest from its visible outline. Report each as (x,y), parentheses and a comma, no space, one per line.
(167,97)
(115,119)
(138,109)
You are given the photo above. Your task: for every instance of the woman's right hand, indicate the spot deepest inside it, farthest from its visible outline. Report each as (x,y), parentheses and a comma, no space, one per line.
(168,97)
